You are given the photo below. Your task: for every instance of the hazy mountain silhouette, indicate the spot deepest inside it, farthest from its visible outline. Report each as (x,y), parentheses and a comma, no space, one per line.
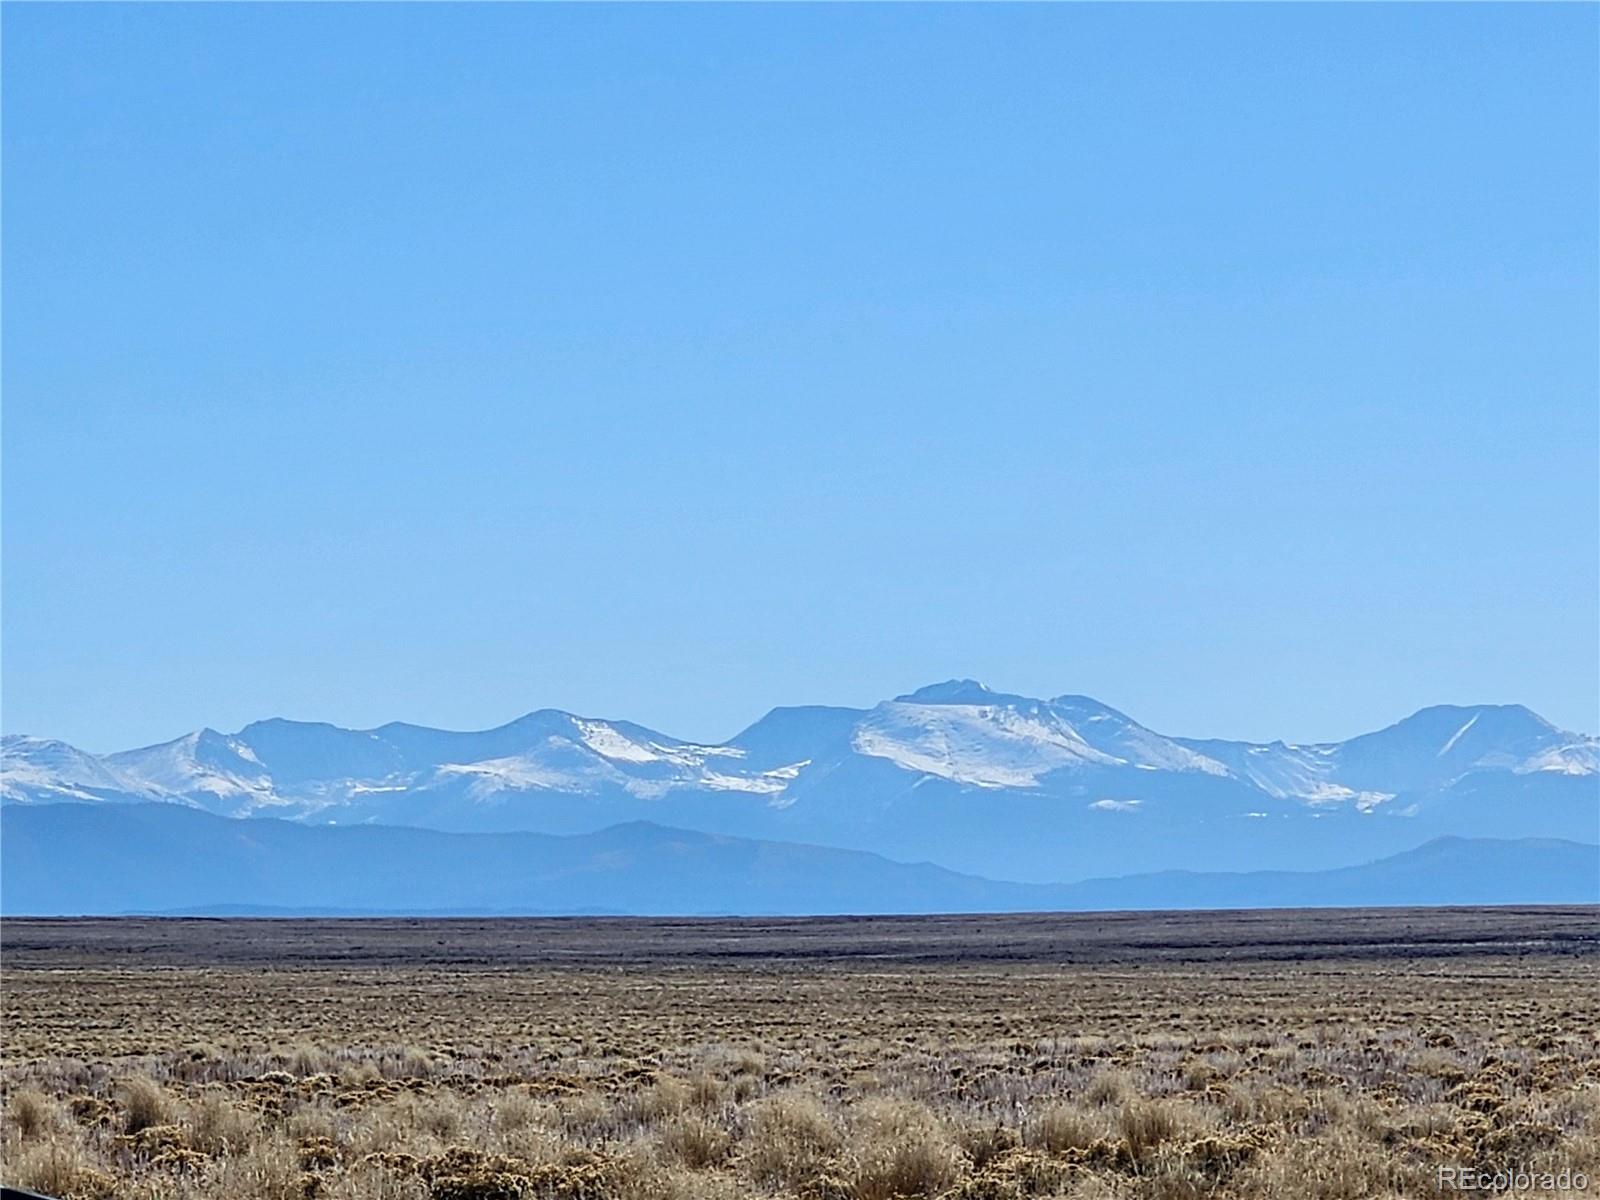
(95,858)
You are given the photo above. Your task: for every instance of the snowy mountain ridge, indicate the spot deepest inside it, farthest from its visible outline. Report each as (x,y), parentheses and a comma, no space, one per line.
(958,732)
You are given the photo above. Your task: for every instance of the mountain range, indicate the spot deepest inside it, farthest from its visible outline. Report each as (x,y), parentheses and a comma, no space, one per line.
(77,858)
(982,782)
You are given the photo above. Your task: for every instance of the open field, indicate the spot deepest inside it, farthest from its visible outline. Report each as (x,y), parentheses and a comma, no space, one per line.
(1270,1054)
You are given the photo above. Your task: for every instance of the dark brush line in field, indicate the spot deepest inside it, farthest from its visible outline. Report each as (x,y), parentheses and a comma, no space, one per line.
(1128,939)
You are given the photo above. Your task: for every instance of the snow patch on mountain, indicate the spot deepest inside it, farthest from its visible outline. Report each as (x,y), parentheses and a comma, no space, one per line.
(30,765)
(988,746)
(758,785)
(1458,734)
(1125,740)
(491,777)
(206,763)
(1007,741)
(1570,758)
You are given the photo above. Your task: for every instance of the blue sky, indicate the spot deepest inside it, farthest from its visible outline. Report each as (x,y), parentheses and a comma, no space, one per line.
(1234,365)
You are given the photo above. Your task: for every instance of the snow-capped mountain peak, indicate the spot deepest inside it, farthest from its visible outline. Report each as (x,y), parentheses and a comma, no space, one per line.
(549,768)
(966,733)
(214,770)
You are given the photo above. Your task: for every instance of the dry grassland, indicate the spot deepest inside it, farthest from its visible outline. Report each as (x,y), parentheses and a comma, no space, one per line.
(1324,1056)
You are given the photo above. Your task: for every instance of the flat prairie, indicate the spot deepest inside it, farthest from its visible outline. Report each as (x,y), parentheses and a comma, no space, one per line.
(1320,1054)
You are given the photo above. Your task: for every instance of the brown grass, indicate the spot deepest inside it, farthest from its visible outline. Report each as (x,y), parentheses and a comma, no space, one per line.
(1326,1077)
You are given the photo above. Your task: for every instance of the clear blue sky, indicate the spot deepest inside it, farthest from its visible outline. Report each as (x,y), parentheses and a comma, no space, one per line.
(1234,365)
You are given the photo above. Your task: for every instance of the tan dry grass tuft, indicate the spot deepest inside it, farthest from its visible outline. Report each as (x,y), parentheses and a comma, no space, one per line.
(144,1102)
(694,1141)
(1109,1089)
(1062,1127)
(32,1114)
(1146,1124)
(218,1127)
(900,1148)
(63,1168)
(792,1141)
